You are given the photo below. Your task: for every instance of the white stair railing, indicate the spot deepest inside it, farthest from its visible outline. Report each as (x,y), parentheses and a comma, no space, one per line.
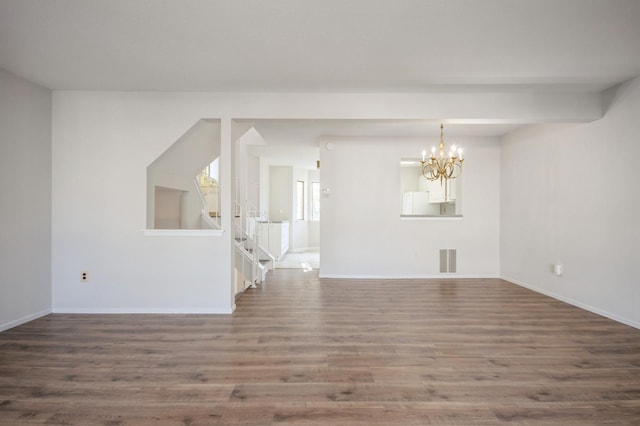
(256,260)
(245,261)
(257,221)
(248,262)
(207,220)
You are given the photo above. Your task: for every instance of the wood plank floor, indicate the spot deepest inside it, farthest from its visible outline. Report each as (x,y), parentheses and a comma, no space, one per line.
(303,350)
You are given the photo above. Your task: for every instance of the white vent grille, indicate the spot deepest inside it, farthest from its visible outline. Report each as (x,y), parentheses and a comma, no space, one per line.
(448,262)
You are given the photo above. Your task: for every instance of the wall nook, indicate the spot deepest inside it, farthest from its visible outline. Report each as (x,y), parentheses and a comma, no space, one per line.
(428,198)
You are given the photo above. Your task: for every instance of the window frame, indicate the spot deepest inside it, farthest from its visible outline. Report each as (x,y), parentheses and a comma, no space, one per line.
(315,201)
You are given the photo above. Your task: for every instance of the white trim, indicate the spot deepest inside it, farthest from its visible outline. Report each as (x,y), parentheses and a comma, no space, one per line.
(143,310)
(432,218)
(183,232)
(598,311)
(405,277)
(23,320)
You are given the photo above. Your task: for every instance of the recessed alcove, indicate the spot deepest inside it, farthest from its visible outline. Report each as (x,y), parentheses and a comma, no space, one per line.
(175,195)
(428,198)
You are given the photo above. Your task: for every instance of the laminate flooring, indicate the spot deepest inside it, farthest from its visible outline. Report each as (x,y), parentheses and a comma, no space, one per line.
(300,260)
(310,351)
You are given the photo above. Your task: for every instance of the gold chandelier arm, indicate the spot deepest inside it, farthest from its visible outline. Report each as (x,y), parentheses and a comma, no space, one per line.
(430,170)
(456,169)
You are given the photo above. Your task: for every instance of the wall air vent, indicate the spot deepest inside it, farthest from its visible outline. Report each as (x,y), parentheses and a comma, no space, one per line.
(448,261)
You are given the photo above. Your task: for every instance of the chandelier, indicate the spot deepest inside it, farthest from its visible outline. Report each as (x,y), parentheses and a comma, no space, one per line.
(442,167)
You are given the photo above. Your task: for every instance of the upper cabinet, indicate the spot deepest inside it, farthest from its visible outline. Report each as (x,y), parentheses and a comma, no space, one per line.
(439,192)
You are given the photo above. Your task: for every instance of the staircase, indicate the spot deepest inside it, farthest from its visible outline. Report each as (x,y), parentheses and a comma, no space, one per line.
(253,261)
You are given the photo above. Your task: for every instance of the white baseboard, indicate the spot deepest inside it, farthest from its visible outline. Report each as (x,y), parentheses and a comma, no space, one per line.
(403,277)
(187,311)
(598,311)
(23,320)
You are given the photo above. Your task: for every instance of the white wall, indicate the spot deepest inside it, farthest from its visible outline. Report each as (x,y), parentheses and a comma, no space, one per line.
(248,172)
(409,178)
(109,139)
(570,195)
(362,234)
(253,181)
(25,209)
(313,226)
(168,208)
(280,190)
(265,187)
(299,235)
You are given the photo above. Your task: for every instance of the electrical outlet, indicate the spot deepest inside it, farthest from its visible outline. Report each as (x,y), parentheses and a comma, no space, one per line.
(84,276)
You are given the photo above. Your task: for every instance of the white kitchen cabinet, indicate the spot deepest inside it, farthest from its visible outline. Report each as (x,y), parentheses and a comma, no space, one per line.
(417,203)
(274,236)
(437,190)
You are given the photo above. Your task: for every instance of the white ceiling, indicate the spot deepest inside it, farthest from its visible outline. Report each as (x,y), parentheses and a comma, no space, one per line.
(324,46)
(295,142)
(319,45)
